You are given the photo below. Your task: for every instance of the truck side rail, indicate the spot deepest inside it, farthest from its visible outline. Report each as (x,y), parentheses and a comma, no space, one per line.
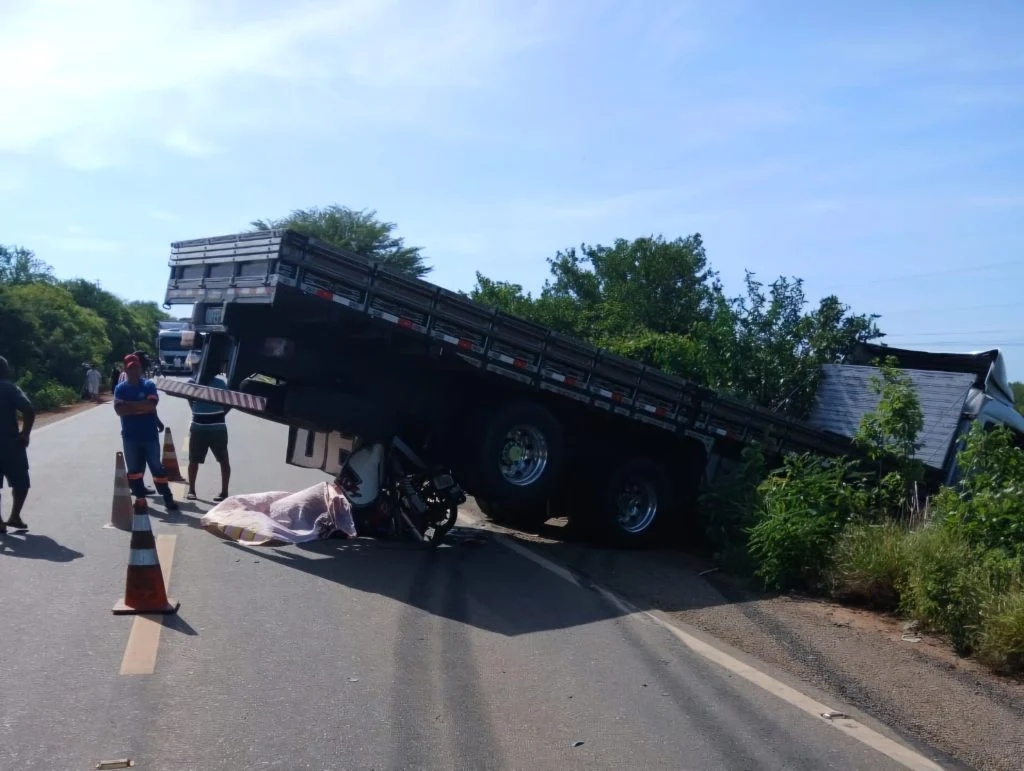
(254,267)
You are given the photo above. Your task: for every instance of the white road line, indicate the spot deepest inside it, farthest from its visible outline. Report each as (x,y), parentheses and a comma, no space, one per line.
(903,755)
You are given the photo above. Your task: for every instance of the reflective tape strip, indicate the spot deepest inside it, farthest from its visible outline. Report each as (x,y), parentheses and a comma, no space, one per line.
(140,523)
(142,558)
(215,395)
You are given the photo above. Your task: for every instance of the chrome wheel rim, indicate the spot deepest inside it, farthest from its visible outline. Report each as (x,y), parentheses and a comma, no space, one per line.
(524,456)
(636,505)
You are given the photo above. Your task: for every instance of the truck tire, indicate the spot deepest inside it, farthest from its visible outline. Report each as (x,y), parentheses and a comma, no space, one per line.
(520,455)
(634,504)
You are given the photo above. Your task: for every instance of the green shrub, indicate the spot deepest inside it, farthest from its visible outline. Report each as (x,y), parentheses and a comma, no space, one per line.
(868,564)
(1001,640)
(804,507)
(52,395)
(949,582)
(989,506)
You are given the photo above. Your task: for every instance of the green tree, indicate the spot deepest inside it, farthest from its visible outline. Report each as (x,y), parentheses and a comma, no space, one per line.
(358,231)
(19,265)
(889,435)
(146,315)
(660,302)
(779,347)
(1018,395)
(63,334)
(123,328)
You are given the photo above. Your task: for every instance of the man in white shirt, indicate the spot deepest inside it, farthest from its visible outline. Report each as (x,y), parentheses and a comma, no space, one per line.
(92,382)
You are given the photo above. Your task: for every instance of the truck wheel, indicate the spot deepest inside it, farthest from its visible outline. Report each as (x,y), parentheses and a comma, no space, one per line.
(521,455)
(634,503)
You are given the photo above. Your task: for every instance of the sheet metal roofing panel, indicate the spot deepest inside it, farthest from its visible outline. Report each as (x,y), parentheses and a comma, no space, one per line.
(845,396)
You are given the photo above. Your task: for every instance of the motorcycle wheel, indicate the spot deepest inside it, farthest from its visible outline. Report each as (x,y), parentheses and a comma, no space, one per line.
(441,525)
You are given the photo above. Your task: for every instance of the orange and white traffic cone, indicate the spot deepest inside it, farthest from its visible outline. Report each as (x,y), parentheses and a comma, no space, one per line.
(121,506)
(144,588)
(170,459)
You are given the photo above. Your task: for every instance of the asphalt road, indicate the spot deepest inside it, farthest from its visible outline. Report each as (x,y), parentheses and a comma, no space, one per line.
(345,654)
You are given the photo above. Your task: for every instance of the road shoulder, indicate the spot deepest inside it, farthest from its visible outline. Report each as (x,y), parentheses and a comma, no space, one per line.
(49,417)
(919,688)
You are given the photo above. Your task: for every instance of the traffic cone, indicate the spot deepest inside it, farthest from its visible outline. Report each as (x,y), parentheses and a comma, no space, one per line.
(144,588)
(170,459)
(121,507)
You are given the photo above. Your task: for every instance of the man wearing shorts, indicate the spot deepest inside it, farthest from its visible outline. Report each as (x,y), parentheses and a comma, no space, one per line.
(209,432)
(14,444)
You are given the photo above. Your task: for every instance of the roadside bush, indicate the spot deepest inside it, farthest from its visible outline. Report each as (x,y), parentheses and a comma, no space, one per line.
(804,507)
(988,508)
(868,564)
(1001,640)
(950,585)
(51,395)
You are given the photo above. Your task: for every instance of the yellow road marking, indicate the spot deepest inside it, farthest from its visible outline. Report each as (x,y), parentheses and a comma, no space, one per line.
(144,639)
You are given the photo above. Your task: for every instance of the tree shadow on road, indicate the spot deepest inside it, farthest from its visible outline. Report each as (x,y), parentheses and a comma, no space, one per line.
(39,547)
(473,579)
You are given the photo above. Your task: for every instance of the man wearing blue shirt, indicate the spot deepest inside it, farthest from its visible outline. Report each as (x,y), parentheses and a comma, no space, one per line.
(135,402)
(209,432)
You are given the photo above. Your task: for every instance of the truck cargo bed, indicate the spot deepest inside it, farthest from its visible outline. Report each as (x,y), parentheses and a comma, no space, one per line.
(266,266)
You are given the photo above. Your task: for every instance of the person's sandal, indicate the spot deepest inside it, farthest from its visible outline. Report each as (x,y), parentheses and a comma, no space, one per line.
(190,496)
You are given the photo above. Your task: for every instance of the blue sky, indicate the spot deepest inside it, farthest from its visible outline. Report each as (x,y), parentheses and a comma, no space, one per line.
(874,149)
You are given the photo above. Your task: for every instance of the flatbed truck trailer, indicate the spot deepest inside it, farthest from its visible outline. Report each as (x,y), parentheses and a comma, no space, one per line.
(532,422)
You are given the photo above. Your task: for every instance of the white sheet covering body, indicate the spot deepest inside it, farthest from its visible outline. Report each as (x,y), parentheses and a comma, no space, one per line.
(258,519)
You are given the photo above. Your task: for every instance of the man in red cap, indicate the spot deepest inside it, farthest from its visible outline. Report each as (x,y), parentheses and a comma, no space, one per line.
(135,402)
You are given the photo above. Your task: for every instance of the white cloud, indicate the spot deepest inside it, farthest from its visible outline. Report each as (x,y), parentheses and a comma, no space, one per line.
(89,83)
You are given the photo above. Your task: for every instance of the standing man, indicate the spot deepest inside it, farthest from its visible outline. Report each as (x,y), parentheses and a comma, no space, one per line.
(144,361)
(209,431)
(14,444)
(92,382)
(135,402)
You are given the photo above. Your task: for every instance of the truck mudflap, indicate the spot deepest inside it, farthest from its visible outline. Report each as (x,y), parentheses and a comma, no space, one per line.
(209,394)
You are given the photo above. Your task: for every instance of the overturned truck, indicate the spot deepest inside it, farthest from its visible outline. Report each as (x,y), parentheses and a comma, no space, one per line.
(531,422)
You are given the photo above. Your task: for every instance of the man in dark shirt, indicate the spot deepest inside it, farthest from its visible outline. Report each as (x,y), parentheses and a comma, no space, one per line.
(14,444)
(135,401)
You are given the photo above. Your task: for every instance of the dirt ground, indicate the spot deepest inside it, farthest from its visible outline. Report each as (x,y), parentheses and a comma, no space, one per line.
(52,416)
(909,681)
